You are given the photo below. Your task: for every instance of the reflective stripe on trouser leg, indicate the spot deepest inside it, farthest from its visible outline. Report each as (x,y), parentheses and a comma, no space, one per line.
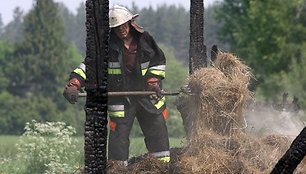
(154,128)
(116,110)
(125,163)
(121,163)
(165,159)
(162,156)
(118,144)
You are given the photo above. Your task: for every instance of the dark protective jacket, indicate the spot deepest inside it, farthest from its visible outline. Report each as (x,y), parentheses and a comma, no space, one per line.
(150,62)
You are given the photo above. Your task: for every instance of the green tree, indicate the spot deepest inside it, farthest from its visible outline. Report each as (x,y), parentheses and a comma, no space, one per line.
(176,76)
(293,81)
(6,48)
(266,34)
(69,21)
(39,62)
(75,30)
(1,25)
(168,25)
(35,72)
(232,14)
(13,30)
(81,29)
(211,29)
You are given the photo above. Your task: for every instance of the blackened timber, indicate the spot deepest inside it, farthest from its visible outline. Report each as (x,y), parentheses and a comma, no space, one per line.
(293,156)
(197,53)
(97,38)
(213,53)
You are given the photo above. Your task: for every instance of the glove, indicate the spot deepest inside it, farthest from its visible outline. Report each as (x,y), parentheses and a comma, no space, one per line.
(72,90)
(153,84)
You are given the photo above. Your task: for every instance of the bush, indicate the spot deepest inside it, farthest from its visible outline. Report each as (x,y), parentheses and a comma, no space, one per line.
(48,148)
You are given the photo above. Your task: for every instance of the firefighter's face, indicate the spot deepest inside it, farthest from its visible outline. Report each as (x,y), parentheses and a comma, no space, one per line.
(122,31)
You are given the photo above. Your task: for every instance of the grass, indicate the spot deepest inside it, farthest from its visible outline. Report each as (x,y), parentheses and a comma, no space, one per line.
(137,146)
(10,162)
(7,145)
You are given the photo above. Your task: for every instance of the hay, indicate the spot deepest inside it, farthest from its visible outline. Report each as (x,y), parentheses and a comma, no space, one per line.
(213,153)
(212,156)
(140,165)
(148,165)
(239,153)
(220,95)
(217,141)
(114,167)
(233,68)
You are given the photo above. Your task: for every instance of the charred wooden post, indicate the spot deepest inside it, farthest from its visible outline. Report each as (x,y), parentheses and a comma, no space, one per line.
(96,61)
(213,53)
(197,56)
(294,155)
(197,49)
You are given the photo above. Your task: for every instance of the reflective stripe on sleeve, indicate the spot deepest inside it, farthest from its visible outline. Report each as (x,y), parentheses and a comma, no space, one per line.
(158,67)
(160,103)
(144,68)
(158,73)
(159,70)
(145,65)
(80,72)
(83,67)
(144,71)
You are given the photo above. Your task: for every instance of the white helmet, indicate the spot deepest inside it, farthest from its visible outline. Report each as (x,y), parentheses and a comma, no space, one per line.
(119,15)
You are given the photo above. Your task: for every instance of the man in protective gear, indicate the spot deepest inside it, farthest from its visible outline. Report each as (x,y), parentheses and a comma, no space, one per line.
(136,63)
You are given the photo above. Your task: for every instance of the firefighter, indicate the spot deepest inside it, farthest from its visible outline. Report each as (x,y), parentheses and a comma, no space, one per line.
(136,63)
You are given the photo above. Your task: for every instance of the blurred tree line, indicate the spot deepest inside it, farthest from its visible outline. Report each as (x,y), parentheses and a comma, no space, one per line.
(35,63)
(39,49)
(270,36)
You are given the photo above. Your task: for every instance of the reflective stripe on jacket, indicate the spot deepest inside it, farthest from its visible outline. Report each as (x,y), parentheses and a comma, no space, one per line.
(150,61)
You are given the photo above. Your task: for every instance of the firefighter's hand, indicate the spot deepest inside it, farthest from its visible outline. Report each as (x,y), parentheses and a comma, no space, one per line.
(153,84)
(71,94)
(72,91)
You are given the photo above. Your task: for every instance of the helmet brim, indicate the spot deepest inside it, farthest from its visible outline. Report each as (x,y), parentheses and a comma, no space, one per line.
(135,16)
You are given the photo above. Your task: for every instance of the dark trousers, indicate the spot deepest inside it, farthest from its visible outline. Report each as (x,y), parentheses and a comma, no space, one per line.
(153,127)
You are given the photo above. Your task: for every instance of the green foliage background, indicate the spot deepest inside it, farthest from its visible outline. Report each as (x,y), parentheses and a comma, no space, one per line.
(270,37)
(39,49)
(47,43)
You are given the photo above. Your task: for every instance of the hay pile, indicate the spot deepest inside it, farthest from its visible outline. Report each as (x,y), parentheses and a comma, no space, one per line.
(217,142)
(221,93)
(145,164)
